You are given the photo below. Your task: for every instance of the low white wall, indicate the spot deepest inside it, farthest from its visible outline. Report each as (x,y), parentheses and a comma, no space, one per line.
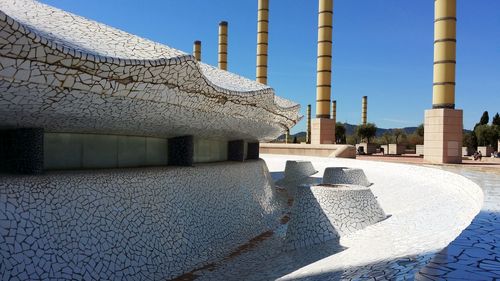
(132,224)
(419,149)
(323,150)
(485,150)
(396,149)
(368,148)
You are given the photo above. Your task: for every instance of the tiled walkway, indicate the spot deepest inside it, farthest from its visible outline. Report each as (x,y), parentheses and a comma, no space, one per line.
(475,254)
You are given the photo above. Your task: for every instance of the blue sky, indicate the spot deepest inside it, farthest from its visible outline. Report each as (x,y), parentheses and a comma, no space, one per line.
(382,49)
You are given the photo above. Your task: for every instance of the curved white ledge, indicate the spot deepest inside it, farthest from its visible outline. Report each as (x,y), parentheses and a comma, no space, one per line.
(46,52)
(428,209)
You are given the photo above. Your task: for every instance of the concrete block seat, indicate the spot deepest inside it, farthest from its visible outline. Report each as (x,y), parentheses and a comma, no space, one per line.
(396,149)
(486,151)
(367,148)
(298,170)
(325,212)
(345,175)
(297,173)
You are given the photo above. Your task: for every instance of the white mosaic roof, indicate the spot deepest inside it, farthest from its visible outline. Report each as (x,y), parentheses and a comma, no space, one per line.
(65,73)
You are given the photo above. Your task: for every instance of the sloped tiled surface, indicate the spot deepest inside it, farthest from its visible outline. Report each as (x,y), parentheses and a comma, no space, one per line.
(111,77)
(130,224)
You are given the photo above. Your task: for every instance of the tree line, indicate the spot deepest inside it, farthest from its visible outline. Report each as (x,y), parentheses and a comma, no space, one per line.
(368,133)
(484,133)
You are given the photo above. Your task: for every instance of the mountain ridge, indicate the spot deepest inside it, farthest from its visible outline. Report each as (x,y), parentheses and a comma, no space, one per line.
(351,129)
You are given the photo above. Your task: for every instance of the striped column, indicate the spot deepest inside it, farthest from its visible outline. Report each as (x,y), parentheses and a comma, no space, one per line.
(324,60)
(262,41)
(364,110)
(444,54)
(308,125)
(197,50)
(334,111)
(223,45)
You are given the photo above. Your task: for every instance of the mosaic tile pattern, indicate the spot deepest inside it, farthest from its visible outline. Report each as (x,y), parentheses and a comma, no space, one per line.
(131,224)
(321,213)
(394,249)
(62,72)
(343,175)
(21,151)
(428,208)
(475,254)
(298,170)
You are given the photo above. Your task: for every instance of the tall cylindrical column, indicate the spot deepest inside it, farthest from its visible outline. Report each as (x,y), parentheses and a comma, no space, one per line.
(262,41)
(223,45)
(287,136)
(364,110)
(334,111)
(324,60)
(197,50)
(445,41)
(308,128)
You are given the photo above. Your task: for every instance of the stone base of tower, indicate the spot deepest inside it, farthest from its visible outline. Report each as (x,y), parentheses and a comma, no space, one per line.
(322,131)
(443,135)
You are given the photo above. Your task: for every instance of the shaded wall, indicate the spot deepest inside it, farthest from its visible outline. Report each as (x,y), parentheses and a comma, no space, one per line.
(92,151)
(76,151)
(132,224)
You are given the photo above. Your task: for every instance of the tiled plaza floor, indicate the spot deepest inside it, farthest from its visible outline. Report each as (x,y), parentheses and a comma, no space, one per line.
(486,164)
(473,255)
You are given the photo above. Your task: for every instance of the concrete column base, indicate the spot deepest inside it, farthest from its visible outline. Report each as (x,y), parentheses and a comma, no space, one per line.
(443,135)
(322,131)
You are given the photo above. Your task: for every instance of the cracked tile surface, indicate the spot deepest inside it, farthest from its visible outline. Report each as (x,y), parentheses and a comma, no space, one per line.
(475,254)
(321,213)
(420,225)
(130,224)
(60,222)
(65,73)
